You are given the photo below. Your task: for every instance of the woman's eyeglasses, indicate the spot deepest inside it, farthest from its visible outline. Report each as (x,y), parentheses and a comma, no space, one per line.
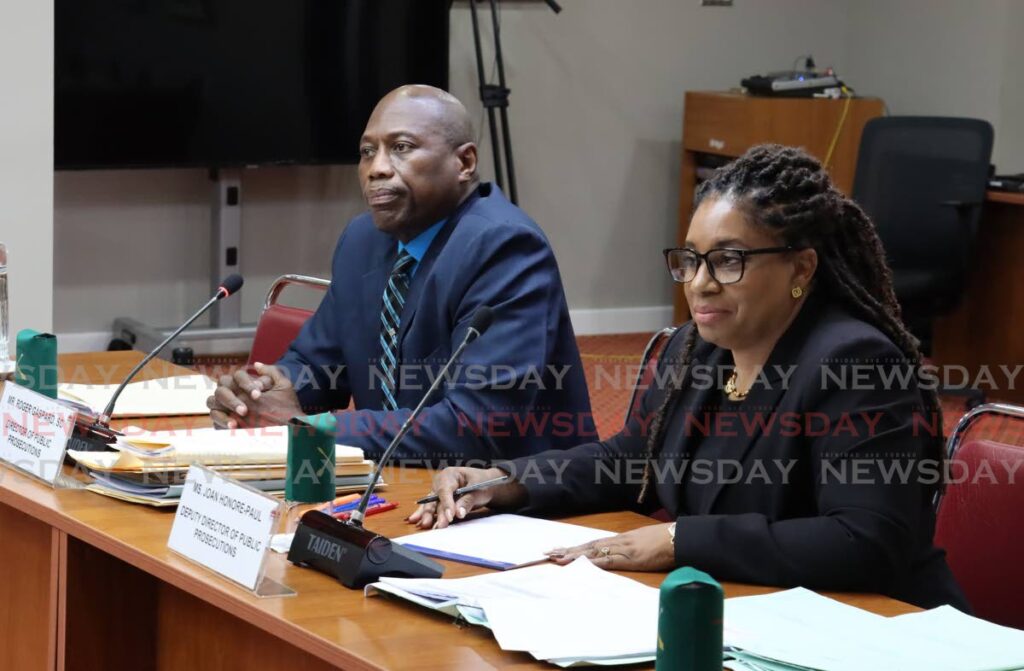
(725,264)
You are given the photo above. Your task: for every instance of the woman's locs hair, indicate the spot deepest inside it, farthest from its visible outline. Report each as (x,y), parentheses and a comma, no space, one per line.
(789,193)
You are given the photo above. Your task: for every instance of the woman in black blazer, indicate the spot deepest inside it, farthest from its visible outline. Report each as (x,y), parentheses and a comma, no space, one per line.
(786,432)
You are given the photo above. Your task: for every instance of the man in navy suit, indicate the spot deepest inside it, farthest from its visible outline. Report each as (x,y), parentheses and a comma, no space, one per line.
(407,278)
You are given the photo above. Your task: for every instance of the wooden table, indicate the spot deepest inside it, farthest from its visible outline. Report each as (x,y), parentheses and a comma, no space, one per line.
(87,582)
(986,329)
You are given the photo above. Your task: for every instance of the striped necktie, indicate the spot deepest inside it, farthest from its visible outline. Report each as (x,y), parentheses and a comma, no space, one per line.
(390,319)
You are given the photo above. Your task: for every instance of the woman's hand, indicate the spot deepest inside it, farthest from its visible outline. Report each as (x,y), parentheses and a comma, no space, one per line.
(648,548)
(445,511)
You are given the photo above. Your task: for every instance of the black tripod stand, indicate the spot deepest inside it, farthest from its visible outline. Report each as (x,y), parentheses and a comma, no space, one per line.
(495,97)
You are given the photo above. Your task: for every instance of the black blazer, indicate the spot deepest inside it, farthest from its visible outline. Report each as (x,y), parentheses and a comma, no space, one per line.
(841,519)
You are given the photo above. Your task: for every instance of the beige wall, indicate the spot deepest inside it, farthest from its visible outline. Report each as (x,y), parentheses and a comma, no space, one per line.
(137,243)
(596,113)
(596,118)
(944,57)
(26,163)
(1009,152)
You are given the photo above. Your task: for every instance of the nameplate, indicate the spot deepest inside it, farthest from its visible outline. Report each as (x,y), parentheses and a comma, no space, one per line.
(34,432)
(225,526)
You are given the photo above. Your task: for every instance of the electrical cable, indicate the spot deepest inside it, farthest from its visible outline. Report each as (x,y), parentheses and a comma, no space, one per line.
(839,128)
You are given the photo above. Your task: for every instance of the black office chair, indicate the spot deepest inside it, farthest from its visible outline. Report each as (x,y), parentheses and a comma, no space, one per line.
(922,181)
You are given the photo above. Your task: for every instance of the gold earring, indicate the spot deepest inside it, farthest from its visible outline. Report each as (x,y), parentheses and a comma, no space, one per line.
(797,292)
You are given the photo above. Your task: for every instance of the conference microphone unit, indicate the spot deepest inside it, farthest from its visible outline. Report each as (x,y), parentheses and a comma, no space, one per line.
(348,551)
(93,433)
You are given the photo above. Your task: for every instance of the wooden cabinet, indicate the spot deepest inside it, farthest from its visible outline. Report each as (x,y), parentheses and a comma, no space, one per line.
(984,332)
(724,125)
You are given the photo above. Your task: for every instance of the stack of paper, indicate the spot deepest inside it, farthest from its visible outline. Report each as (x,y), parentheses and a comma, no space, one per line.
(500,541)
(182,395)
(572,615)
(798,629)
(149,467)
(580,614)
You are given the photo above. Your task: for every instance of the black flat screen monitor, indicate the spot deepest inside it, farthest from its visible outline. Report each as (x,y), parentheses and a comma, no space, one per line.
(222,83)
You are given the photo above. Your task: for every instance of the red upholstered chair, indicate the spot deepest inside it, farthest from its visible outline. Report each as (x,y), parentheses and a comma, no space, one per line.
(648,364)
(279,324)
(981,519)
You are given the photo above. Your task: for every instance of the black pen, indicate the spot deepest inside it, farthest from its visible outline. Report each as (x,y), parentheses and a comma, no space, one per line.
(465,490)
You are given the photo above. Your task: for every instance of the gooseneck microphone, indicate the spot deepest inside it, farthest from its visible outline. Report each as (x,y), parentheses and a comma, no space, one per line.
(351,553)
(230,285)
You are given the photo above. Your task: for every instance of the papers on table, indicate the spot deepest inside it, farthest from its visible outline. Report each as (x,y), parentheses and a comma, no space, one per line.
(566,615)
(158,450)
(798,629)
(182,395)
(148,467)
(500,541)
(580,614)
(281,543)
(962,641)
(156,497)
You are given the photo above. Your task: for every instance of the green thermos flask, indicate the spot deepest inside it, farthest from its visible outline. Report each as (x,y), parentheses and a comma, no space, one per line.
(309,479)
(690,622)
(37,362)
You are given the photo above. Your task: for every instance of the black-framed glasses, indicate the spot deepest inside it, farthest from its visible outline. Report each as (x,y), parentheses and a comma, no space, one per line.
(725,264)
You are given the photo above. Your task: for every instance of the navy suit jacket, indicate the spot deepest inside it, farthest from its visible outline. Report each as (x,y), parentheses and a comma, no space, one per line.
(785,501)
(518,390)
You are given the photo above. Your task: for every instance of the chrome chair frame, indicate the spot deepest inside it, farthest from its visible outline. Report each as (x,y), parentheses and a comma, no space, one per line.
(968,420)
(287,280)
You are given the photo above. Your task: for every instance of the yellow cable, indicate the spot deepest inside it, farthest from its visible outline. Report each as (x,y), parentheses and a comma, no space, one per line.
(839,128)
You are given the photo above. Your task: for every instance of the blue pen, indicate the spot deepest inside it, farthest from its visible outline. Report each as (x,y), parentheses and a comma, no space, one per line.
(345,507)
(355,504)
(348,506)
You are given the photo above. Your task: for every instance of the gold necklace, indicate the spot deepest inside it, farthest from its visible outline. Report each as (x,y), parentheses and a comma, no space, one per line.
(731,391)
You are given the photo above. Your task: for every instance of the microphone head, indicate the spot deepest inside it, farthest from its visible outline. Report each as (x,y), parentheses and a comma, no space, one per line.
(231,284)
(481,320)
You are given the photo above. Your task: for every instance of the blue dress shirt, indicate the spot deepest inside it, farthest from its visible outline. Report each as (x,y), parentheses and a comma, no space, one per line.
(418,246)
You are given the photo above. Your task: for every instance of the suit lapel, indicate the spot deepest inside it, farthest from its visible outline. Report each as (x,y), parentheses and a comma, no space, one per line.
(764,396)
(412,299)
(759,404)
(678,444)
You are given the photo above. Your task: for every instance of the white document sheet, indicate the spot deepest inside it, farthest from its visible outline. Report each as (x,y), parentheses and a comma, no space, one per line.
(569,614)
(799,627)
(962,641)
(587,612)
(500,541)
(158,450)
(534,582)
(182,395)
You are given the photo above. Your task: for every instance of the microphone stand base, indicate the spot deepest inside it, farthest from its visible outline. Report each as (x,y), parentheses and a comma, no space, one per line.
(354,555)
(84,440)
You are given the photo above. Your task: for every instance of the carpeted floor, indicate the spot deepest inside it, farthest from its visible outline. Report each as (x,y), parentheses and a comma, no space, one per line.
(611,363)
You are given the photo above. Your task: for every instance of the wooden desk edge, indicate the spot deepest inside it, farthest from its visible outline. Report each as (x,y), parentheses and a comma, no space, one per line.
(1007,197)
(210,588)
(195,581)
